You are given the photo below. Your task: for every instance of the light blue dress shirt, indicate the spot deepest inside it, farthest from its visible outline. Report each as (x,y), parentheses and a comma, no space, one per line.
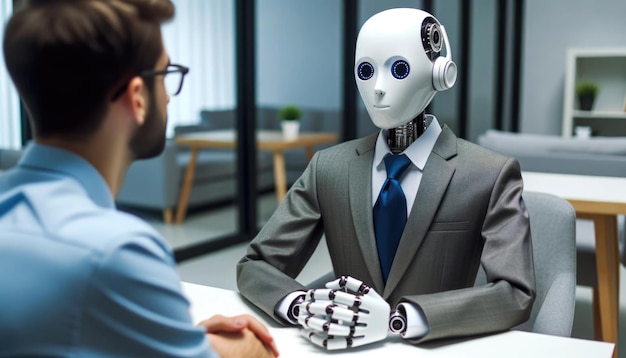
(78,277)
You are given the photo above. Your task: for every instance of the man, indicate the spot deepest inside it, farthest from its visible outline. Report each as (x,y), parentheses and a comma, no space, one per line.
(78,277)
(409,213)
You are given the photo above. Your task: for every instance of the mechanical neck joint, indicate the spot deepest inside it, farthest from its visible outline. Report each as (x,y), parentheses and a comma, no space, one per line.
(402,137)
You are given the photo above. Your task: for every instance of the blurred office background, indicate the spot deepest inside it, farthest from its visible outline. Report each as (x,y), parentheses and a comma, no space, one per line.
(246,56)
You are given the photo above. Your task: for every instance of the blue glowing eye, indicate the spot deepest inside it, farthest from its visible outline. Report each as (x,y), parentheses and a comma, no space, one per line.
(365,71)
(400,69)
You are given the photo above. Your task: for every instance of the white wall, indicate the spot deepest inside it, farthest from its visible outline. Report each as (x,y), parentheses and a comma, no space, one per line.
(550,28)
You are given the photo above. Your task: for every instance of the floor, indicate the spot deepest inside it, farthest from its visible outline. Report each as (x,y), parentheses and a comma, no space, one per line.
(218,268)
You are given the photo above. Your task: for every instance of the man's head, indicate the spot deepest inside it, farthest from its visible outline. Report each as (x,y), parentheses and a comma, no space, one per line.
(398,67)
(71,59)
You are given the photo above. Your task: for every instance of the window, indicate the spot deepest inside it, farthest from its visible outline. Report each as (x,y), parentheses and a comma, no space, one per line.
(201,37)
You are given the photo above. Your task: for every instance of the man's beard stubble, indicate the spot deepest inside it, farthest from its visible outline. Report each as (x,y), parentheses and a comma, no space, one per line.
(149,139)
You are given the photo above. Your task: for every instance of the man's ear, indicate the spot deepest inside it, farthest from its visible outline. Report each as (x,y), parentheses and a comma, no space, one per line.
(136,93)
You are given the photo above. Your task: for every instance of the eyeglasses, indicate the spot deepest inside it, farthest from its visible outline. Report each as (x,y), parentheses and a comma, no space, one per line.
(173,82)
(174,76)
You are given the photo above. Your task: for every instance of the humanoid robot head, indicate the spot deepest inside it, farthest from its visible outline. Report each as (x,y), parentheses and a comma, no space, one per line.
(399,66)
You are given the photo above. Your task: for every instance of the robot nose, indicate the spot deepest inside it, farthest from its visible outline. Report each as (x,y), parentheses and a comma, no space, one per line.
(379,92)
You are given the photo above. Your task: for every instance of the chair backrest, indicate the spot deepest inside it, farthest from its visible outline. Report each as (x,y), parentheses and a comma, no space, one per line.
(553,229)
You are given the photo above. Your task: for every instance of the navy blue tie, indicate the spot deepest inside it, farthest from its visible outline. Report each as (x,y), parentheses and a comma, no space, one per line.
(390,212)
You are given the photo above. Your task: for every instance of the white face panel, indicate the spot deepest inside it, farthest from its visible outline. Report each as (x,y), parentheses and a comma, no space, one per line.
(392,70)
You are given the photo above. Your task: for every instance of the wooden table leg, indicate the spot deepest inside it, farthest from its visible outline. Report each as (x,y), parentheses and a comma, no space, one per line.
(595,305)
(309,153)
(167,215)
(607,263)
(280,176)
(185,188)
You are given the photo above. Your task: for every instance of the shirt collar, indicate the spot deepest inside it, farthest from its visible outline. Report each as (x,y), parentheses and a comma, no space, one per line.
(417,152)
(54,159)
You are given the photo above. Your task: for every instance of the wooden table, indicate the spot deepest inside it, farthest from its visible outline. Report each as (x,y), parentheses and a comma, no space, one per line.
(266,140)
(207,301)
(600,199)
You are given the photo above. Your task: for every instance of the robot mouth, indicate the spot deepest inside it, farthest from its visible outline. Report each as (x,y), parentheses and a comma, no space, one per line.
(381,106)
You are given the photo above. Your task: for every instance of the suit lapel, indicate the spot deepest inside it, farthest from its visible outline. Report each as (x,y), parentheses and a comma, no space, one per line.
(437,174)
(360,173)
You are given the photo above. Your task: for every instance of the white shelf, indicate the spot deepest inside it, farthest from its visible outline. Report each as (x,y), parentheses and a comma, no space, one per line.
(606,66)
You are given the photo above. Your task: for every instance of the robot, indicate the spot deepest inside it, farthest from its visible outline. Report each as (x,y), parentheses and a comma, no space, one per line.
(399,68)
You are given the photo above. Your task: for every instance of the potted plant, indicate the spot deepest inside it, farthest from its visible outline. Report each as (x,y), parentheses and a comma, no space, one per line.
(290,120)
(586,93)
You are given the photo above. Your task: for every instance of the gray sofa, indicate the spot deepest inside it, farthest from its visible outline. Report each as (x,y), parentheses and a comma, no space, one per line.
(154,184)
(602,156)
(9,158)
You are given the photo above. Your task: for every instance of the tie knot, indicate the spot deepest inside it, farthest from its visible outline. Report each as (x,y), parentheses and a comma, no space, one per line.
(396,165)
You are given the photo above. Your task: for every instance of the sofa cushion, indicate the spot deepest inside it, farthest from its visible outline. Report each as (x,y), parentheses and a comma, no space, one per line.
(218,119)
(541,142)
(9,158)
(554,154)
(217,164)
(593,145)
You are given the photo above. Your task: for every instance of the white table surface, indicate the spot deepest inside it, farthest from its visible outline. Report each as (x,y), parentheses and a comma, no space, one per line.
(207,301)
(577,187)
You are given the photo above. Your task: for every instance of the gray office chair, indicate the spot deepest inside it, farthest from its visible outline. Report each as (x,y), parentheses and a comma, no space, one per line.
(534,154)
(553,229)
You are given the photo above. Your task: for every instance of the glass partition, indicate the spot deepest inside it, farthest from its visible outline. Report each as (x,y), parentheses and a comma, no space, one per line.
(298,63)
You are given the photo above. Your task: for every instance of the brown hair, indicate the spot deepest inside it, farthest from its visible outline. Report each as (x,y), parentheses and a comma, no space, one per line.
(68,57)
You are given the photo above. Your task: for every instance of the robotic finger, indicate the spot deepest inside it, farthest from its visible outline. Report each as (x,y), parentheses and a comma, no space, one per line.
(352,285)
(320,294)
(337,297)
(349,284)
(324,325)
(328,342)
(321,308)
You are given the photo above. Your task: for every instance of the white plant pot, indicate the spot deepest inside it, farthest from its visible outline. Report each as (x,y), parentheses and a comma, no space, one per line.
(290,129)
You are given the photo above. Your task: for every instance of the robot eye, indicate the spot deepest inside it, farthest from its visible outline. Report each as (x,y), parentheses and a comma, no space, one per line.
(400,69)
(365,71)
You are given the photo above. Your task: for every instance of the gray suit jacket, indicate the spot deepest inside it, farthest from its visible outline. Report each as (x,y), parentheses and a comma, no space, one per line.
(468,210)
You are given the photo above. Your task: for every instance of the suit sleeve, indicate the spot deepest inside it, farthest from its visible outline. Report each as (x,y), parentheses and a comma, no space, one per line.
(276,256)
(506,300)
(137,306)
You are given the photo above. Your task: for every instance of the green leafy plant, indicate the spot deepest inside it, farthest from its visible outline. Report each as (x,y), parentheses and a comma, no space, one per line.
(289,113)
(587,89)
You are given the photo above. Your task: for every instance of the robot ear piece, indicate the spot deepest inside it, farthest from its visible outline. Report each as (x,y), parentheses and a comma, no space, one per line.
(444,69)
(444,74)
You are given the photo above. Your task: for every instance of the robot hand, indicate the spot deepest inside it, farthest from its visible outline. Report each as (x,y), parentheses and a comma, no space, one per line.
(346,314)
